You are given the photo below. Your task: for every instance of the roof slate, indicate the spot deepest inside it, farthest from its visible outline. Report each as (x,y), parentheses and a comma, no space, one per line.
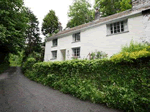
(101,20)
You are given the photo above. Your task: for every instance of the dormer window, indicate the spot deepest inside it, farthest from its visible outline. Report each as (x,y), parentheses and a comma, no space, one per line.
(54,43)
(76,37)
(118,27)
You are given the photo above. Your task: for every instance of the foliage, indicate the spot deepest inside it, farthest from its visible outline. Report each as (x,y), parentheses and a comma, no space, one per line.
(13,23)
(3,67)
(109,7)
(122,85)
(16,60)
(27,65)
(130,57)
(125,4)
(134,46)
(50,23)
(98,55)
(79,13)
(33,39)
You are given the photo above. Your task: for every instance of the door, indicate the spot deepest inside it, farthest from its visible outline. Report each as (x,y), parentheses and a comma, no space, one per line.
(63,54)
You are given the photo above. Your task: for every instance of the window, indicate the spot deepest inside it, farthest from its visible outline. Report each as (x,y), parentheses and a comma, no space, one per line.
(54,42)
(117,27)
(76,52)
(76,37)
(54,54)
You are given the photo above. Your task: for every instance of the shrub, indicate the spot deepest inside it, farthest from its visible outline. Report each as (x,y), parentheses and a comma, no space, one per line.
(28,64)
(16,60)
(133,47)
(98,55)
(130,57)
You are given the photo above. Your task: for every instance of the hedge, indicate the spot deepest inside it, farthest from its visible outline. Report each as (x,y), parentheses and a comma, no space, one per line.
(122,82)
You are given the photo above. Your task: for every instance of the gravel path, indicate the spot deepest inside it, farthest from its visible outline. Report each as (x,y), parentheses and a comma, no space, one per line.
(19,94)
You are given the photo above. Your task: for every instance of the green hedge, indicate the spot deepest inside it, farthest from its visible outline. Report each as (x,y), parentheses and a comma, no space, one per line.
(116,82)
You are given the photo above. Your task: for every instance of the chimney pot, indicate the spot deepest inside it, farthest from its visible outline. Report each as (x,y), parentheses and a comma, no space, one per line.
(59,26)
(97,14)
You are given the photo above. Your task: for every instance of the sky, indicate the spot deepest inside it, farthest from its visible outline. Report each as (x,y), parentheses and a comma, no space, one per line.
(40,8)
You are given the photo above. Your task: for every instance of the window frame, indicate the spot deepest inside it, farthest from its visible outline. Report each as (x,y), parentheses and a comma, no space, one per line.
(54,54)
(76,52)
(76,37)
(54,41)
(117,27)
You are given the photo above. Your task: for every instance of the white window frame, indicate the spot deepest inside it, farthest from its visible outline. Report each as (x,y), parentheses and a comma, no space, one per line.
(54,42)
(76,37)
(54,54)
(117,27)
(76,52)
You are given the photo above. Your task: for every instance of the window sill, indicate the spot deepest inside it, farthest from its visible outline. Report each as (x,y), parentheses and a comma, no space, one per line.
(76,41)
(77,57)
(53,46)
(118,33)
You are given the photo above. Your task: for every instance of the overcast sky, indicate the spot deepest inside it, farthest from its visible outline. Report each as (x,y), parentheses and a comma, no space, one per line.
(41,7)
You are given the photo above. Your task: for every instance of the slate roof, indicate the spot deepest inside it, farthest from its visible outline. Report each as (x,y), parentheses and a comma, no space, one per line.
(99,21)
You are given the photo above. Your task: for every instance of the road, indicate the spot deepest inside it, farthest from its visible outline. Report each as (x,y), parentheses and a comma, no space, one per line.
(19,94)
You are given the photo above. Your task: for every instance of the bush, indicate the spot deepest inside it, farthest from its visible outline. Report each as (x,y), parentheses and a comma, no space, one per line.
(28,64)
(133,47)
(130,57)
(98,55)
(16,60)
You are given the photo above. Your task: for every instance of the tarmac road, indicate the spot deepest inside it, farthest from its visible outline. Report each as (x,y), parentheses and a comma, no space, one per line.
(19,94)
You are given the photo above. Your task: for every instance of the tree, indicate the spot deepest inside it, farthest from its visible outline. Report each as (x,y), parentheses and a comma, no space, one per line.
(125,4)
(33,40)
(50,23)
(109,7)
(13,23)
(80,13)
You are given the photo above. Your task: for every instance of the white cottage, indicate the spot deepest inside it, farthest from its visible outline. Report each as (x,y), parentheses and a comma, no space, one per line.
(106,34)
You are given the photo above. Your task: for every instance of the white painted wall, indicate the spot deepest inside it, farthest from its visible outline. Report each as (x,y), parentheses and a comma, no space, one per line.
(146,23)
(96,39)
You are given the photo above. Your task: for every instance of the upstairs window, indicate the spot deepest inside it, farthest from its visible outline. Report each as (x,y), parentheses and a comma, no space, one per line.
(117,27)
(54,42)
(76,37)
(54,54)
(76,52)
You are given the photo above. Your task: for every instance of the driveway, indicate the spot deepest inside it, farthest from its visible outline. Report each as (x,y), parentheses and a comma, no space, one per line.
(19,94)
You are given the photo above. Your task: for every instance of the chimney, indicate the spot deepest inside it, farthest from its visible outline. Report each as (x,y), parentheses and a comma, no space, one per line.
(136,4)
(59,27)
(97,14)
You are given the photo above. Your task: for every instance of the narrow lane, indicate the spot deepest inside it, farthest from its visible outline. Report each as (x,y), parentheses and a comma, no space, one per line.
(19,94)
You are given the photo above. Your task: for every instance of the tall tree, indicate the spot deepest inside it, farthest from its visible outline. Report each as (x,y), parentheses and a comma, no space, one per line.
(80,13)
(33,40)
(109,7)
(13,23)
(50,23)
